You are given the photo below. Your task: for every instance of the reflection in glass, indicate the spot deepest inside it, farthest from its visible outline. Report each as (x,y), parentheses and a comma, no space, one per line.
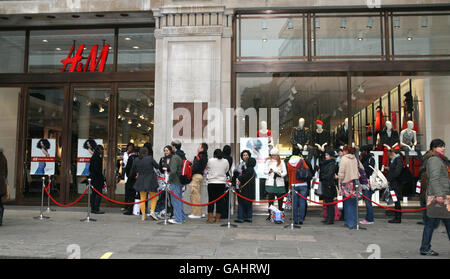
(44,121)
(136,50)
(134,125)
(89,128)
(12,49)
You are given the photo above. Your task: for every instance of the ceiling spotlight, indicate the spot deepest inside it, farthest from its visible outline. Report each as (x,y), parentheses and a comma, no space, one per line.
(149,128)
(290,24)
(106,98)
(150,104)
(58,49)
(142,117)
(135,47)
(127,39)
(264,24)
(135,112)
(130,121)
(294,90)
(343,23)
(45,41)
(127,110)
(353,97)
(152,122)
(410,37)
(74,98)
(360,36)
(119,116)
(369,23)
(88,103)
(361,89)
(139,125)
(264,39)
(101,109)
(396,22)
(424,22)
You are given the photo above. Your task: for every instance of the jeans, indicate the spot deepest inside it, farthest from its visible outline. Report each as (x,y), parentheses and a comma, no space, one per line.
(245,212)
(430,225)
(369,207)
(350,212)
(178,208)
(299,203)
(424,213)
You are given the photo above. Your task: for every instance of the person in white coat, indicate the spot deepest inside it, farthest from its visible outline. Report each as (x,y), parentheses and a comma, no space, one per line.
(275,170)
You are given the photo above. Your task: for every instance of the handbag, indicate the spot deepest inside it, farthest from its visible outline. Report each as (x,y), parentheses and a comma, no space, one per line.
(302,173)
(436,209)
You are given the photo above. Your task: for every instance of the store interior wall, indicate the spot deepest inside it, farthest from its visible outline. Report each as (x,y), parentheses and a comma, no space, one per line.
(439,98)
(8,129)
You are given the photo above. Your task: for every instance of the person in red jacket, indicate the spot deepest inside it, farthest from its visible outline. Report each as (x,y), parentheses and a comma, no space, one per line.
(299,203)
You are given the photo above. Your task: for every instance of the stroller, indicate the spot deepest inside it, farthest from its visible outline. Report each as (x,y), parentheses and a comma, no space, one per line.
(160,205)
(276,215)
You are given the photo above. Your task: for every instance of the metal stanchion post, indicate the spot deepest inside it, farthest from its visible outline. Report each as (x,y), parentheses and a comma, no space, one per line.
(166,192)
(48,196)
(88,217)
(41,216)
(228,225)
(292,225)
(358,194)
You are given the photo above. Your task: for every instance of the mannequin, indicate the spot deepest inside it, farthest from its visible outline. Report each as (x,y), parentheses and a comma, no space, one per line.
(388,138)
(300,135)
(342,134)
(264,132)
(319,140)
(408,140)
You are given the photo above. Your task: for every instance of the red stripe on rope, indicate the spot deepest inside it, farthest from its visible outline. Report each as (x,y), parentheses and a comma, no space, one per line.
(266,201)
(205,204)
(324,203)
(126,203)
(392,209)
(64,205)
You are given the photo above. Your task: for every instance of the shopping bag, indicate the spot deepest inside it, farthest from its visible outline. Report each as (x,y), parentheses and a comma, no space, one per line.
(136,208)
(340,205)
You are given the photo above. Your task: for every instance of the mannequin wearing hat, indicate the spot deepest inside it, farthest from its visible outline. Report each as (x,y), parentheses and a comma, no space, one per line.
(300,135)
(263,132)
(408,140)
(320,140)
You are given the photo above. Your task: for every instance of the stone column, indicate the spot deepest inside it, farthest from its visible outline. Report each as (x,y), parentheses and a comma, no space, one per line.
(193,65)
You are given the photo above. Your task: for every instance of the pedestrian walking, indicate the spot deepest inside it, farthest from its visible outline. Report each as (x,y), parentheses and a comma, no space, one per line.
(423,186)
(295,162)
(275,169)
(175,168)
(4,191)
(368,163)
(97,178)
(348,176)
(217,178)
(246,187)
(146,181)
(394,178)
(438,195)
(198,167)
(327,177)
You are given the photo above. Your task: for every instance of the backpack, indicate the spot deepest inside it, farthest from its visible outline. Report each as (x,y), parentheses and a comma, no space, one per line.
(302,173)
(186,172)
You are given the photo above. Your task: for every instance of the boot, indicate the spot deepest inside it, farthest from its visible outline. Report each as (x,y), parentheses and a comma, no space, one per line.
(210,217)
(218,217)
(397,219)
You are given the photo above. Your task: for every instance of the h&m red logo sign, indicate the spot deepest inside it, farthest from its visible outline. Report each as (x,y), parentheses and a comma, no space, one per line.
(91,62)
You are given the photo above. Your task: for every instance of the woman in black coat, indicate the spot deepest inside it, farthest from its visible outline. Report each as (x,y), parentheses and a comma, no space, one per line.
(146,181)
(246,189)
(328,179)
(97,178)
(394,178)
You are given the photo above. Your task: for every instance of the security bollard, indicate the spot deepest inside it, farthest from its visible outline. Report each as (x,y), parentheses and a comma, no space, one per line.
(88,217)
(292,225)
(41,216)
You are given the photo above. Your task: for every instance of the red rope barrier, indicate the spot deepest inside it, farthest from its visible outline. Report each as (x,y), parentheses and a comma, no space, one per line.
(205,204)
(324,203)
(126,203)
(64,205)
(392,209)
(265,201)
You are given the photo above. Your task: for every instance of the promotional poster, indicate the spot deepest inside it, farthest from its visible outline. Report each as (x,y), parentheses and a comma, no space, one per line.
(259,148)
(43,156)
(86,148)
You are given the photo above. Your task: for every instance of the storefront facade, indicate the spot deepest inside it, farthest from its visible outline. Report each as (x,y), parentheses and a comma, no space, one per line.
(285,61)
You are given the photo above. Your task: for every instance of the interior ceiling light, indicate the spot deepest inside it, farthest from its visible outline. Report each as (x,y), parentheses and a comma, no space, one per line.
(353,97)
(130,121)
(294,90)
(343,23)
(317,23)
(410,37)
(127,39)
(101,109)
(119,116)
(424,22)
(264,39)
(361,89)
(58,49)
(264,24)
(135,47)
(139,125)
(45,41)
(396,22)
(369,23)
(290,24)
(360,36)
(127,110)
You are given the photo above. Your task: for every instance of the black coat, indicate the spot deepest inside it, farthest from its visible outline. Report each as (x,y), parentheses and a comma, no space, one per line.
(146,180)
(327,178)
(247,178)
(163,163)
(394,176)
(96,171)
(368,161)
(200,162)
